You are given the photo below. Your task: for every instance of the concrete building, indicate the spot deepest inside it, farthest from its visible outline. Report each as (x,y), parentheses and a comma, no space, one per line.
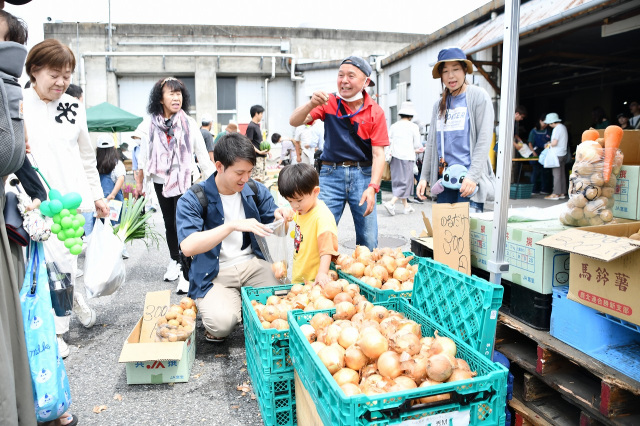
(226,68)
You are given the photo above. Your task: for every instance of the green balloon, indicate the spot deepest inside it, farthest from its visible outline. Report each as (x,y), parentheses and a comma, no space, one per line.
(54,194)
(62,236)
(55,228)
(73,212)
(71,200)
(75,223)
(64,213)
(44,208)
(70,233)
(81,220)
(79,232)
(56,218)
(69,242)
(76,250)
(66,222)
(55,206)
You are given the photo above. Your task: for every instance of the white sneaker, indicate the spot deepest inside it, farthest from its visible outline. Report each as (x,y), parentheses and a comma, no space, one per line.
(183,285)
(390,208)
(409,209)
(63,348)
(173,271)
(86,315)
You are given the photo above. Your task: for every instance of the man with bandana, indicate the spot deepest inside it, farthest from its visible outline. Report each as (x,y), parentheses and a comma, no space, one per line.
(354,141)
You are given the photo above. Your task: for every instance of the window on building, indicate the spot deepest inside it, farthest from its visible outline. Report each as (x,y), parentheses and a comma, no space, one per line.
(393,112)
(403,76)
(227,106)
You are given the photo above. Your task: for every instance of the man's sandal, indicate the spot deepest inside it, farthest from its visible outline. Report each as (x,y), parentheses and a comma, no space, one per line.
(211,338)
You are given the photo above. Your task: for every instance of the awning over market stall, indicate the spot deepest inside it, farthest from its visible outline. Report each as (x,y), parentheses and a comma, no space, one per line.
(109,118)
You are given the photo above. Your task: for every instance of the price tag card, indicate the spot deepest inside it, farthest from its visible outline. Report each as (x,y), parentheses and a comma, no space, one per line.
(156,304)
(115,207)
(455,418)
(451,236)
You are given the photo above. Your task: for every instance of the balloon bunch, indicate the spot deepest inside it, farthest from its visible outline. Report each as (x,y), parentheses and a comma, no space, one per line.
(68,224)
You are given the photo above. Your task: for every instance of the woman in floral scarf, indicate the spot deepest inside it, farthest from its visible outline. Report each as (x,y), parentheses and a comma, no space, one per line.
(169,140)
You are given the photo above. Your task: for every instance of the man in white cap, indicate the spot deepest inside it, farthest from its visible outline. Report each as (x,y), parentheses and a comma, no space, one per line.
(205,129)
(354,141)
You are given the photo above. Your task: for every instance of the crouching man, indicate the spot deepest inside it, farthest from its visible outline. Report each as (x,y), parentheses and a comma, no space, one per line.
(222,237)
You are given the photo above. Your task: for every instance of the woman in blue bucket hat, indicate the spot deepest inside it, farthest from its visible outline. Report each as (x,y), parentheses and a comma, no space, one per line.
(456,159)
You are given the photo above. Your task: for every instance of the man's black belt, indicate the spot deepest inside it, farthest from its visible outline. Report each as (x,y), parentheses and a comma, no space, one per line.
(348,163)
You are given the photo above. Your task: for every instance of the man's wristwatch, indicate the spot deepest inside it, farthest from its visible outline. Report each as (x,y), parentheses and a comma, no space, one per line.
(375,187)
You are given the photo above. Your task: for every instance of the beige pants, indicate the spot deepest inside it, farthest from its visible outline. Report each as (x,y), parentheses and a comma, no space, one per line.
(221,308)
(260,169)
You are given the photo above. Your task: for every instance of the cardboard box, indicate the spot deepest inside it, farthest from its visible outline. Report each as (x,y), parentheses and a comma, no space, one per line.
(157,362)
(534,267)
(604,268)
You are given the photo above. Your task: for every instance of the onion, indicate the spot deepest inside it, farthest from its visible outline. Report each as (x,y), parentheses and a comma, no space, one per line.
(375,384)
(270,313)
(333,275)
(402,274)
(332,334)
(462,364)
(346,375)
(389,326)
(341,258)
(344,311)
(402,383)
(365,258)
(373,282)
(279,269)
(343,323)
(265,324)
(343,297)
(315,293)
(297,288)
(367,270)
(360,250)
(433,398)
(357,319)
(331,358)
(310,307)
(316,346)
(354,358)
(331,289)
(369,323)
(280,324)
(320,321)
(406,342)
(273,300)
(459,374)
(403,261)
(389,263)
(284,308)
(350,389)
(443,345)
(309,332)
(372,343)
(377,313)
(407,285)
(439,367)
(353,290)
(368,370)
(348,336)
(389,365)
(380,273)
(416,368)
(322,303)
(392,284)
(364,306)
(356,269)
(410,326)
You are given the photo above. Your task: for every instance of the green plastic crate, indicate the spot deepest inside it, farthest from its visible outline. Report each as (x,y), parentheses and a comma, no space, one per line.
(375,294)
(385,185)
(484,395)
(272,345)
(275,393)
(466,305)
(520,191)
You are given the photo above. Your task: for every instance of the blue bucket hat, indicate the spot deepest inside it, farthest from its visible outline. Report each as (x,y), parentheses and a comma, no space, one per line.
(451,54)
(362,65)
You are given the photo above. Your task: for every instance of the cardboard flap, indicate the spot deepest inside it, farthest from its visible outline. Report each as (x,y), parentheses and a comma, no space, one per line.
(591,244)
(132,352)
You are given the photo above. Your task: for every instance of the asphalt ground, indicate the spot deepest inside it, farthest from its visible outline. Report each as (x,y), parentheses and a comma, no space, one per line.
(212,396)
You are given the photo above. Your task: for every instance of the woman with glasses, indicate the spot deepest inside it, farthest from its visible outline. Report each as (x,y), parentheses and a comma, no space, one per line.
(170,138)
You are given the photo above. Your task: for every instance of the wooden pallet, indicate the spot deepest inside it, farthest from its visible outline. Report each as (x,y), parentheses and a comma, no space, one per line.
(553,369)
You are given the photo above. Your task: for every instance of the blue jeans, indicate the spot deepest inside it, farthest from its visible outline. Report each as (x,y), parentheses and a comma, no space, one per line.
(341,185)
(88,223)
(453,196)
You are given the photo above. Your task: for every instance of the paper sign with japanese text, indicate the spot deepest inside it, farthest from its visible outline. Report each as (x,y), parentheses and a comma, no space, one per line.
(156,304)
(115,207)
(451,236)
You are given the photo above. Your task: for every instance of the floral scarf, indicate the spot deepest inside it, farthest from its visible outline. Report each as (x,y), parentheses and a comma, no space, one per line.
(170,153)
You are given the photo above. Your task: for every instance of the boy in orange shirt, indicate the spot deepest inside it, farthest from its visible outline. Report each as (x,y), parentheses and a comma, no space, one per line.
(316,233)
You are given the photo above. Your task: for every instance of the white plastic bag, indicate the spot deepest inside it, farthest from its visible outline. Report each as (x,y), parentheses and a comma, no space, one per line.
(104,270)
(276,250)
(551,161)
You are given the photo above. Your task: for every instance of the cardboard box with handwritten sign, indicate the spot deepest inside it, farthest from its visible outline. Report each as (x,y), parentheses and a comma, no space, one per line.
(534,267)
(151,362)
(451,236)
(604,268)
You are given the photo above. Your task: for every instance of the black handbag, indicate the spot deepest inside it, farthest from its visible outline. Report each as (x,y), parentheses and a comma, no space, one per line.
(13,221)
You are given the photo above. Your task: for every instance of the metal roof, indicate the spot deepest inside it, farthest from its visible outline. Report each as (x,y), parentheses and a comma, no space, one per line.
(534,15)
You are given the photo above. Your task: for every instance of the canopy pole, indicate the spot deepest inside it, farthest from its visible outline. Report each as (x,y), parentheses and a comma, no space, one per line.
(496,264)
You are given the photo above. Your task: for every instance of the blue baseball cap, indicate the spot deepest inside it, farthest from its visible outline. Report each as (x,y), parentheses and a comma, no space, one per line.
(361,64)
(451,54)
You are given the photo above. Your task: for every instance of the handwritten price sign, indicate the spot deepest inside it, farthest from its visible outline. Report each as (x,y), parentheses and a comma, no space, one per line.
(451,236)
(156,305)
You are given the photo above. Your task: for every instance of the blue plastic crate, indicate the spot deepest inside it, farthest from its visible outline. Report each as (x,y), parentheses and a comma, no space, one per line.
(484,396)
(271,345)
(275,393)
(587,330)
(466,305)
(375,294)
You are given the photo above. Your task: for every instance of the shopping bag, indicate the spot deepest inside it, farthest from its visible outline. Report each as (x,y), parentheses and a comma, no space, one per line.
(551,160)
(543,156)
(48,376)
(276,250)
(104,270)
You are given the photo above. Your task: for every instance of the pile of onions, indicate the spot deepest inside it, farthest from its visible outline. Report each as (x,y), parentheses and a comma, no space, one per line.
(382,268)
(379,350)
(337,293)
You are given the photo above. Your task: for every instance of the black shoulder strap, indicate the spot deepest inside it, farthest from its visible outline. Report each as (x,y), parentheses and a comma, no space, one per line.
(202,197)
(352,130)
(254,187)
